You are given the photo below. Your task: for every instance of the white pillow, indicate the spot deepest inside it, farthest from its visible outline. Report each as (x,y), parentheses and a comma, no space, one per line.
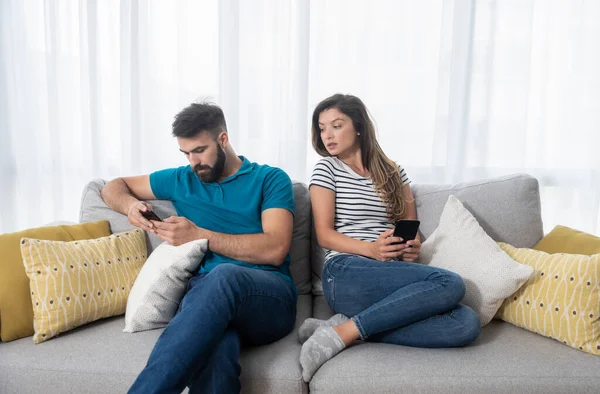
(460,245)
(161,284)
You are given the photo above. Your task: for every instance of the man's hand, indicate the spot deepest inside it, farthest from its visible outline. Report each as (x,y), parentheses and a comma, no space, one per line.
(387,247)
(135,217)
(177,230)
(412,251)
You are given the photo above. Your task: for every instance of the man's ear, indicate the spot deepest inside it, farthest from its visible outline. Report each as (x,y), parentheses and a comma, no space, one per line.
(223,139)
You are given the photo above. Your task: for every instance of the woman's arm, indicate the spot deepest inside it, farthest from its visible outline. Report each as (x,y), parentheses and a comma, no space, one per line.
(409,199)
(411,253)
(323,208)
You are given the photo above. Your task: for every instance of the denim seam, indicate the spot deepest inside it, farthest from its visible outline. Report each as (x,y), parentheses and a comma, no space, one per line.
(261,294)
(406,298)
(243,298)
(346,256)
(361,330)
(332,289)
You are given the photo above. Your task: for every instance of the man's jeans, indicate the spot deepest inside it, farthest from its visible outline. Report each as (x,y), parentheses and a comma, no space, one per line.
(223,309)
(400,302)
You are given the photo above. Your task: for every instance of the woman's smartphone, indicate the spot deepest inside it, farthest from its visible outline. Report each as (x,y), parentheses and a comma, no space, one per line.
(406,229)
(150,215)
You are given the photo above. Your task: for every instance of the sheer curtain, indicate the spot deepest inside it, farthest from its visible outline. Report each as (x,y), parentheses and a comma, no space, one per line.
(460,90)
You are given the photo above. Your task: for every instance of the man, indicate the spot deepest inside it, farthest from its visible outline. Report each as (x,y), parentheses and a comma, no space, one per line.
(243,292)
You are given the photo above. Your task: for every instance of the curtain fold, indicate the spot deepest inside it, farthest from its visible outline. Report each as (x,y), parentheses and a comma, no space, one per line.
(460,90)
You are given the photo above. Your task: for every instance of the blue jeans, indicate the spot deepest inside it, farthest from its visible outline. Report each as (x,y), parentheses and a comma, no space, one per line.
(400,302)
(222,310)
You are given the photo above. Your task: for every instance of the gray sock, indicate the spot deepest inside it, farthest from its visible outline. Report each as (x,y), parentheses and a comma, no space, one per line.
(323,345)
(310,325)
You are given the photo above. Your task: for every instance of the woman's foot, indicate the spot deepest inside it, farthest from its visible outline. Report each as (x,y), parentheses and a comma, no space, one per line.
(323,345)
(310,325)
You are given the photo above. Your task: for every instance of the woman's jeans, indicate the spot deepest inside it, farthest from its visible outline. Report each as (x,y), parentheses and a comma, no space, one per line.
(400,302)
(228,307)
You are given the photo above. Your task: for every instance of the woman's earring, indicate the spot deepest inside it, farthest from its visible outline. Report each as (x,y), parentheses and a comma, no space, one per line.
(357,133)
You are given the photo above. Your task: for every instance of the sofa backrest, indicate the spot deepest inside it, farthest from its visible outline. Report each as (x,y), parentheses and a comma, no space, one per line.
(507,208)
(93,209)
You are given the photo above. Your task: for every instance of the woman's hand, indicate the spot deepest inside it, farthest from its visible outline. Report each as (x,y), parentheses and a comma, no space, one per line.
(412,251)
(387,247)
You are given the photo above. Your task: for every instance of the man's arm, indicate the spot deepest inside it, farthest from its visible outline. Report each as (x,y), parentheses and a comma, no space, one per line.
(269,247)
(124,194)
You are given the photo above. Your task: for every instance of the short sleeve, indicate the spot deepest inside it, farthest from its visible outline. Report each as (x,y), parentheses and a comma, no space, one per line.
(323,175)
(403,176)
(278,191)
(164,182)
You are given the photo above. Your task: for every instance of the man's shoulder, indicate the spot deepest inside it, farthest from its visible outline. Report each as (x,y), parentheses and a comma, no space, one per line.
(175,170)
(180,173)
(269,172)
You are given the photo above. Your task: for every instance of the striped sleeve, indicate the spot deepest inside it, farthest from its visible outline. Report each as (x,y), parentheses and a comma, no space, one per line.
(403,176)
(323,175)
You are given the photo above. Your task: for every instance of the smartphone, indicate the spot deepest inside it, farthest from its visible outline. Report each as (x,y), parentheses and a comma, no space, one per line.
(150,215)
(406,229)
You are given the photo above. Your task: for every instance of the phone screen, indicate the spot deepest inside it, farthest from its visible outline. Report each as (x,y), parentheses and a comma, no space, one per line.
(406,229)
(150,215)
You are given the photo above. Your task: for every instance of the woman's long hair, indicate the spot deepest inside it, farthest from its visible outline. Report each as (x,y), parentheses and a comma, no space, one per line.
(384,172)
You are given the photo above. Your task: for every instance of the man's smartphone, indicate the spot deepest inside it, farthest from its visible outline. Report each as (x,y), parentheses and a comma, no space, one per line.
(406,229)
(150,215)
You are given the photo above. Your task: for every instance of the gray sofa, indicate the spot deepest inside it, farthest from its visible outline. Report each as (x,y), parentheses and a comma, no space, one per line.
(100,358)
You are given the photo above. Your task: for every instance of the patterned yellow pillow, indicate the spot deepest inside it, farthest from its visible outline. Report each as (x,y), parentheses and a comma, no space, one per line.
(561,300)
(77,282)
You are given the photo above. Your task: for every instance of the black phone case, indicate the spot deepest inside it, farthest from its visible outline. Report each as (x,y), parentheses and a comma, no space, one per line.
(406,229)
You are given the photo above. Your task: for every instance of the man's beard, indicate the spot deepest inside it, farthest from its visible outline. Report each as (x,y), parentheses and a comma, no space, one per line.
(215,171)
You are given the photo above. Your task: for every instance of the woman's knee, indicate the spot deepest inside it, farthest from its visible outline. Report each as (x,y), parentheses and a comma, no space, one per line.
(471,325)
(453,284)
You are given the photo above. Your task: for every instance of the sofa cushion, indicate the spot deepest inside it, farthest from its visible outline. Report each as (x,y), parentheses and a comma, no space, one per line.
(93,208)
(100,358)
(560,301)
(78,282)
(460,245)
(505,359)
(16,312)
(507,208)
(567,240)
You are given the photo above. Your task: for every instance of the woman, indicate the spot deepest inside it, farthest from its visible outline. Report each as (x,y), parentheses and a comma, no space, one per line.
(369,278)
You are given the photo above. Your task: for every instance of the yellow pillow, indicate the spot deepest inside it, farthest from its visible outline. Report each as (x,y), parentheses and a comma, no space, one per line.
(561,300)
(74,283)
(16,312)
(566,240)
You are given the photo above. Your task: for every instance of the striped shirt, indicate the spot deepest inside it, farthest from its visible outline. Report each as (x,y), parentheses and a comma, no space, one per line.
(359,211)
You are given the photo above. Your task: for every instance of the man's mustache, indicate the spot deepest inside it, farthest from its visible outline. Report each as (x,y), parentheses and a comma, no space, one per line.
(201,167)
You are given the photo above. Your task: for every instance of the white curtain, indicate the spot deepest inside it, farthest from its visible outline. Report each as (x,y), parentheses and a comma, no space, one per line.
(460,90)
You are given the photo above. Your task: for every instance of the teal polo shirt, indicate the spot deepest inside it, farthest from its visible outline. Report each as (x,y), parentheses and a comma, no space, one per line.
(232,206)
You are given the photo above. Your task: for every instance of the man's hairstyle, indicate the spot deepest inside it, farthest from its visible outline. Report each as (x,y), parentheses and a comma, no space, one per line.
(199,117)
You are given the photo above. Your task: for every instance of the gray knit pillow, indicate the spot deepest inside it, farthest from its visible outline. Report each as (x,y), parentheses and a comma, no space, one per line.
(161,284)
(460,245)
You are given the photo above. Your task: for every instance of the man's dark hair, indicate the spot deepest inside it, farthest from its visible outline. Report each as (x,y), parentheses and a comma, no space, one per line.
(199,117)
